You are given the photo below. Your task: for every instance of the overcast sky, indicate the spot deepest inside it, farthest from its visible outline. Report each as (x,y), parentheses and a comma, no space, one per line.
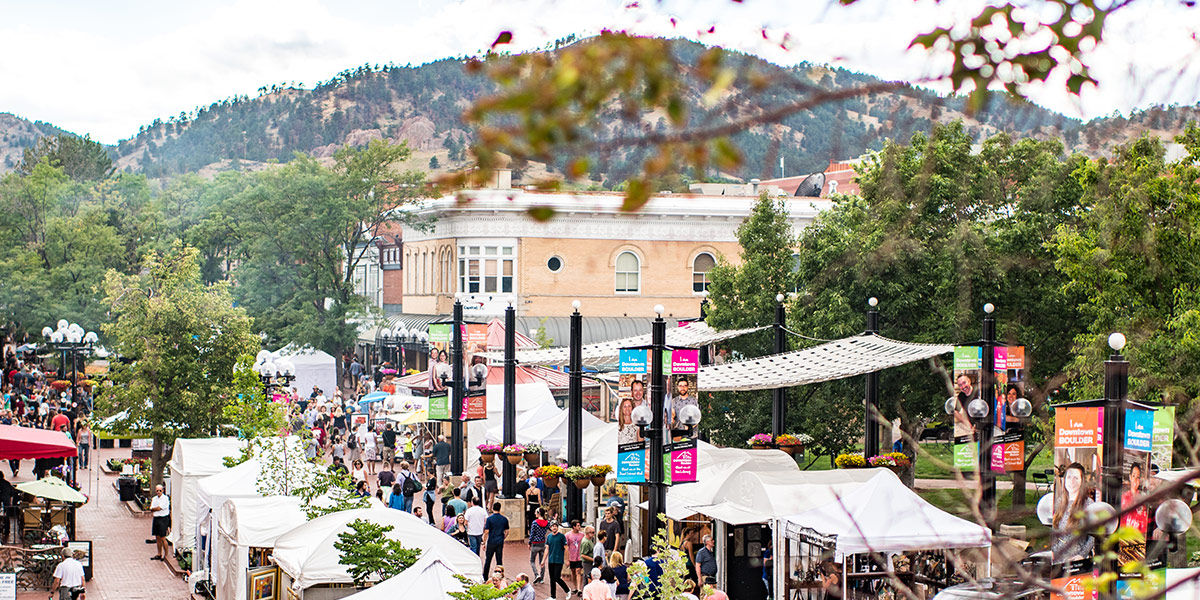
(105,68)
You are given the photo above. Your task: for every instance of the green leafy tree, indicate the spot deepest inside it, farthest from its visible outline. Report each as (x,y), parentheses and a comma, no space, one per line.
(674,571)
(250,412)
(475,590)
(80,158)
(369,555)
(179,341)
(305,229)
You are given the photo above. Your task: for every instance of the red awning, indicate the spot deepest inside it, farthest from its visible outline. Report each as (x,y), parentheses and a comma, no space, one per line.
(27,442)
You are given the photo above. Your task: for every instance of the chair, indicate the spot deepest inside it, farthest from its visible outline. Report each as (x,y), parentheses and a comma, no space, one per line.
(1041,481)
(31,517)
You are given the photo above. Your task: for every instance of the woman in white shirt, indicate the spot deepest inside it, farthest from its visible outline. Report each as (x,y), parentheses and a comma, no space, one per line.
(357,472)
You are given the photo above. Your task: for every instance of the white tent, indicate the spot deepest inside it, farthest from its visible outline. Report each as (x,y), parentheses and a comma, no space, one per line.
(759,496)
(599,445)
(244,523)
(535,404)
(883,515)
(192,460)
(715,466)
(313,367)
(432,576)
(306,553)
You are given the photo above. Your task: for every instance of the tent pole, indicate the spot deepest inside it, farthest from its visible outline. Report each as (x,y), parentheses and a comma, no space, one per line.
(871,433)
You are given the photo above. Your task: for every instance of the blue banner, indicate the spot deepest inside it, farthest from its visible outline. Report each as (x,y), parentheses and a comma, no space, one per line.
(1139,430)
(631,463)
(635,360)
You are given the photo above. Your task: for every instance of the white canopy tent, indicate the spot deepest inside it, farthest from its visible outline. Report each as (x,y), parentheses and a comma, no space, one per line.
(715,466)
(687,335)
(881,514)
(838,359)
(244,523)
(535,404)
(313,367)
(192,460)
(432,576)
(306,553)
(753,496)
(599,445)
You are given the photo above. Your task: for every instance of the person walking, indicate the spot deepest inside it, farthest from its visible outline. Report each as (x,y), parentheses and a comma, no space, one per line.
(539,527)
(389,445)
(574,541)
(409,486)
(556,546)
(160,525)
(83,437)
(613,528)
(68,575)
(496,527)
(476,520)
(441,457)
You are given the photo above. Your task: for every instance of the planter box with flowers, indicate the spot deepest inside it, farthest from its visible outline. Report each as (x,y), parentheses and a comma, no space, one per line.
(896,461)
(533,454)
(601,475)
(582,476)
(487,452)
(550,474)
(793,444)
(761,441)
(514,453)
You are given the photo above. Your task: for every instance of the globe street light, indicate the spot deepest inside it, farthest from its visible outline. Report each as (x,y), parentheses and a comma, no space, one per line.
(71,339)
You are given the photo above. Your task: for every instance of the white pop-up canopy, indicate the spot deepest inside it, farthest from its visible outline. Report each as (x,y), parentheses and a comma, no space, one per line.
(715,466)
(432,576)
(192,460)
(245,523)
(883,515)
(753,496)
(599,445)
(313,367)
(307,555)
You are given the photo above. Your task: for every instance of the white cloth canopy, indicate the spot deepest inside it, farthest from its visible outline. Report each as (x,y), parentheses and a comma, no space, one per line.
(754,496)
(192,460)
(307,555)
(687,335)
(535,404)
(599,445)
(432,576)
(244,523)
(838,359)
(883,515)
(313,367)
(714,467)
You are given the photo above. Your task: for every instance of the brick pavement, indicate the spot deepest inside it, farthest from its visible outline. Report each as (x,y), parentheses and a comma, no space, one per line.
(122,568)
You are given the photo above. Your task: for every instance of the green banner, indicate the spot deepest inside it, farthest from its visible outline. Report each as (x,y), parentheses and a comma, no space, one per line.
(1164,437)
(439,407)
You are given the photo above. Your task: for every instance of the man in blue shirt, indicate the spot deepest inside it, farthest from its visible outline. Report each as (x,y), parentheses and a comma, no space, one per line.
(495,527)
(654,571)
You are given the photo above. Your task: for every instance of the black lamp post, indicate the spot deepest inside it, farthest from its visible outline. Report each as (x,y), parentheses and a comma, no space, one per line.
(509,470)
(983,418)
(575,411)
(387,341)
(458,390)
(871,400)
(72,341)
(1116,388)
(274,372)
(657,497)
(779,394)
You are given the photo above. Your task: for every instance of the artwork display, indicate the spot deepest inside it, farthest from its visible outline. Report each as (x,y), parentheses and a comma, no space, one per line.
(263,583)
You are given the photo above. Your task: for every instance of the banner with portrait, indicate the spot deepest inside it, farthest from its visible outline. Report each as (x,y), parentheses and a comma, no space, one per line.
(1163,450)
(475,370)
(633,383)
(1135,473)
(1078,456)
(1008,436)
(681,368)
(440,372)
(968,364)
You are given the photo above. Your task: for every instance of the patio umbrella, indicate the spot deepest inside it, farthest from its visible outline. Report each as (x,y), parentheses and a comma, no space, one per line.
(52,488)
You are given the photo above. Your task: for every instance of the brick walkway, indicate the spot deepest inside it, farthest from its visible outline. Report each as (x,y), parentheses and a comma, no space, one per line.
(122,569)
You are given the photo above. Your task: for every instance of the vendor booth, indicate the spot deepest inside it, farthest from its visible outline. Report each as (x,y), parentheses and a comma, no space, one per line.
(432,576)
(308,562)
(247,530)
(313,367)
(191,461)
(879,516)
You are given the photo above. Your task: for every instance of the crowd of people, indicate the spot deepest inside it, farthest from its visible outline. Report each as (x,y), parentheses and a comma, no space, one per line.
(31,399)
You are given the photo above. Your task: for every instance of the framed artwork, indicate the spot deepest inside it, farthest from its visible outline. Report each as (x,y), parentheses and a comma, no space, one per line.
(86,546)
(263,583)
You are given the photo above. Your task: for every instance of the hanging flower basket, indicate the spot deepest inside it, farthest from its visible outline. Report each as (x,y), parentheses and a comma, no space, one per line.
(514,453)
(533,459)
(514,459)
(583,483)
(550,474)
(487,452)
(601,474)
(551,481)
(792,444)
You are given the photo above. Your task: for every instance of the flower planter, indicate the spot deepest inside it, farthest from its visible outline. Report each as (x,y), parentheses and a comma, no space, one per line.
(514,459)
(551,481)
(487,456)
(583,483)
(760,446)
(598,480)
(532,459)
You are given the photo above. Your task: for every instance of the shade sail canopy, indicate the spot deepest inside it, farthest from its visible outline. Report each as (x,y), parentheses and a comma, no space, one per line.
(687,335)
(883,515)
(52,488)
(26,442)
(838,359)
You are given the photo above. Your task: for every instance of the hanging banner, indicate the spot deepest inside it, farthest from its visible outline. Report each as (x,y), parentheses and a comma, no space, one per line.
(1073,588)
(681,386)
(631,463)
(968,362)
(1164,438)
(1078,455)
(439,358)
(474,406)
(634,366)
(1008,435)
(680,461)
(439,406)
(1135,468)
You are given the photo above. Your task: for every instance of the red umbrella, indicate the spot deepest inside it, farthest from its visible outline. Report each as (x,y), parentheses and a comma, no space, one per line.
(27,442)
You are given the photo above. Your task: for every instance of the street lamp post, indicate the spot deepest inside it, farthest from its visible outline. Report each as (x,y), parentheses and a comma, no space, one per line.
(983,423)
(575,411)
(72,341)
(1116,388)
(509,470)
(274,372)
(779,394)
(458,389)
(871,400)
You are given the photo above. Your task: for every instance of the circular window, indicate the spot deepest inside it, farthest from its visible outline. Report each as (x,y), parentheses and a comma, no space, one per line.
(555,264)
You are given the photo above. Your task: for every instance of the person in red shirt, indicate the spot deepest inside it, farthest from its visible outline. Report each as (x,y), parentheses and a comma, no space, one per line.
(1138,518)
(58,421)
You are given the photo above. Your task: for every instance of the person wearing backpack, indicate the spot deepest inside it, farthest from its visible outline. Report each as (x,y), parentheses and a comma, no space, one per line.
(409,486)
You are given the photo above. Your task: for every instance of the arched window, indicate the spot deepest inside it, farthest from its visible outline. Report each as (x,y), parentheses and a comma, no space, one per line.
(628,269)
(701,265)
